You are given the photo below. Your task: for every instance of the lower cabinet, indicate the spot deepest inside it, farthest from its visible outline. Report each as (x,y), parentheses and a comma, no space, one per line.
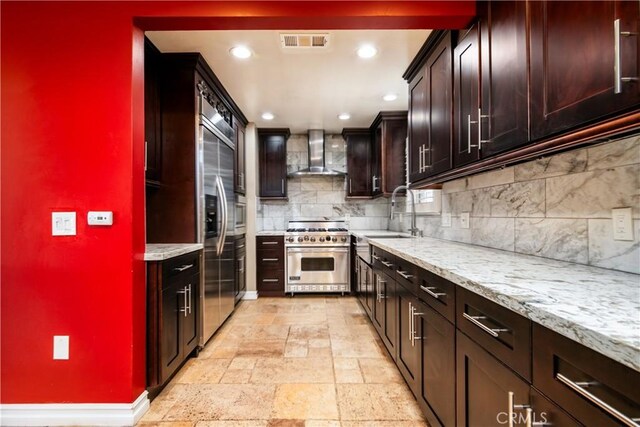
(270,271)
(384,316)
(408,352)
(240,248)
(172,316)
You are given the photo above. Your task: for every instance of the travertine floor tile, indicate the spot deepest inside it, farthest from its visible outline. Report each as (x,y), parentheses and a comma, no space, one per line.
(378,402)
(293,371)
(305,401)
(202,371)
(384,424)
(165,424)
(236,376)
(261,348)
(243,363)
(348,376)
(250,423)
(380,371)
(345,363)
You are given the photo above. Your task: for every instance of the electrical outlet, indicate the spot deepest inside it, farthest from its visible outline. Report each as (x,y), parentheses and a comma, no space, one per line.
(464,220)
(100,218)
(61,347)
(446,219)
(622,224)
(63,223)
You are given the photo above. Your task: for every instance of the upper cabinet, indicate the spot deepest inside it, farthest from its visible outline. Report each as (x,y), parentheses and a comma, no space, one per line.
(152,114)
(584,62)
(239,180)
(359,162)
(390,136)
(430,108)
(272,147)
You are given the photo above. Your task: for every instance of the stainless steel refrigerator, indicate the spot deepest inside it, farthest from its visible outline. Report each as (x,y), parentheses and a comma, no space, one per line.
(216,210)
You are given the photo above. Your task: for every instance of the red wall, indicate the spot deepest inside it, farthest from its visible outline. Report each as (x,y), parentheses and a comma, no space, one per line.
(72,139)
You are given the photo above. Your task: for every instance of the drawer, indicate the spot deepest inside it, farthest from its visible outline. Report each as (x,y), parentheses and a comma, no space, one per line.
(383,261)
(270,242)
(588,385)
(270,259)
(406,274)
(270,280)
(183,265)
(437,292)
(504,333)
(547,413)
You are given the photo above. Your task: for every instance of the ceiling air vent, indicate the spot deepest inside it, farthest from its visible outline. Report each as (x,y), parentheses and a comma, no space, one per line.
(306,41)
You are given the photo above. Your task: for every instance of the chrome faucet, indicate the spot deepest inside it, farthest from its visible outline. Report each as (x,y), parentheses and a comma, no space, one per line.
(414,230)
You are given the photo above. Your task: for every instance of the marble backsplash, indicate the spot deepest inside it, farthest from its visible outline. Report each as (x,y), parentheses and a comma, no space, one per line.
(556,207)
(321,197)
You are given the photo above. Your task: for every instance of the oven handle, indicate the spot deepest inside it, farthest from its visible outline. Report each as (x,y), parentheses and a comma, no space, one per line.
(318,250)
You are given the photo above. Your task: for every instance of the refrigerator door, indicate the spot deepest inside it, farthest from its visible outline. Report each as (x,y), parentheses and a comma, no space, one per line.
(227,257)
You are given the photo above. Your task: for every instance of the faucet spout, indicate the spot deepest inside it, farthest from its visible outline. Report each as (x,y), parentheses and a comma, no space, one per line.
(414,230)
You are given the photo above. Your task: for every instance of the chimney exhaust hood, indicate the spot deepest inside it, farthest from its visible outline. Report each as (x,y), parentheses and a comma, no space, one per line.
(316,157)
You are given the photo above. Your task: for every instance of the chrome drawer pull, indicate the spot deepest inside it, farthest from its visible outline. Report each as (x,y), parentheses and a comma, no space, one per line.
(270,280)
(405,275)
(474,319)
(429,290)
(386,264)
(270,259)
(376,257)
(617,63)
(529,410)
(183,267)
(597,401)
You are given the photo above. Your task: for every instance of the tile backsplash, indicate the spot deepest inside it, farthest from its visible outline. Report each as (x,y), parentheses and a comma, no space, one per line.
(555,207)
(320,197)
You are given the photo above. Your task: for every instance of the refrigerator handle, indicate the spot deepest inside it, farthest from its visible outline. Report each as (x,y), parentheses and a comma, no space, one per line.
(223,203)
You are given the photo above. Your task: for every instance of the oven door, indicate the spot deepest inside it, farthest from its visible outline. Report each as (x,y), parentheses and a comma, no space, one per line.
(317,266)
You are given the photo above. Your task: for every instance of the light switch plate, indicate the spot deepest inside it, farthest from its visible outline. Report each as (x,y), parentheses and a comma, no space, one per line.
(464,220)
(61,347)
(446,219)
(63,223)
(100,218)
(622,224)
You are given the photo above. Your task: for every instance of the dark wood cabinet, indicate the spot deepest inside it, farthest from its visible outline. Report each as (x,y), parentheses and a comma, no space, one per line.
(172,316)
(430,108)
(240,248)
(359,162)
(408,352)
(240,177)
(466,98)
(385,312)
(574,65)
(390,139)
(483,386)
(272,154)
(152,113)
(586,384)
(545,412)
(435,339)
(378,302)
(504,66)
(270,265)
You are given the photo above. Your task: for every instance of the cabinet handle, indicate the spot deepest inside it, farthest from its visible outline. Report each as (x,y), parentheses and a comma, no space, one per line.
(475,320)
(405,275)
(184,300)
(282,185)
(183,267)
(414,313)
(430,289)
(420,158)
(376,257)
(270,243)
(411,324)
(189,298)
(512,407)
(350,186)
(617,61)
(269,280)
(374,179)
(145,155)
(270,259)
(242,180)
(424,155)
(386,264)
(597,401)
(469,145)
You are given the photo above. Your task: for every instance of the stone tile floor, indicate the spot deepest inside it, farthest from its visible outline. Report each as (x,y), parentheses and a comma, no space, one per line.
(307,361)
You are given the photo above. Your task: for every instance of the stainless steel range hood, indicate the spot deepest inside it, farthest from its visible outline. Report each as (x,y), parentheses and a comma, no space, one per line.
(316,157)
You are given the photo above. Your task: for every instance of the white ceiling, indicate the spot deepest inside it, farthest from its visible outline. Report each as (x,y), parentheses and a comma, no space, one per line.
(305,89)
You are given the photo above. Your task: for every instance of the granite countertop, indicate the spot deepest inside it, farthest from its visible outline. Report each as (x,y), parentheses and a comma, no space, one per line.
(596,307)
(271,233)
(363,233)
(162,251)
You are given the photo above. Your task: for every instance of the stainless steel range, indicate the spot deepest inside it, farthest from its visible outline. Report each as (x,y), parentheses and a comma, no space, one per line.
(317,257)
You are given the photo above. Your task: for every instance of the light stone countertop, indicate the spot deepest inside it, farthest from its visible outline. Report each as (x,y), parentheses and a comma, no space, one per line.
(162,251)
(271,233)
(363,233)
(596,307)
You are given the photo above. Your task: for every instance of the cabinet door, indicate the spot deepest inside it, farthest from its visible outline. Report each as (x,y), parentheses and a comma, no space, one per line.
(152,112)
(273,165)
(547,413)
(504,68)
(189,316)
(435,339)
(466,92)
(359,181)
(394,142)
(408,349)
(573,63)
(370,296)
(239,176)
(376,162)
(171,332)
(439,110)
(378,305)
(418,133)
(483,386)
(390,301)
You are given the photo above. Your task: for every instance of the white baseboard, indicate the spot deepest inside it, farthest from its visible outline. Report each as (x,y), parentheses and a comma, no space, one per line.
(250,295)
(77,414)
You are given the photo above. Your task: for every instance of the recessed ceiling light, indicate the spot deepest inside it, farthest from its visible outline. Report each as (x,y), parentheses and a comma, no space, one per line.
(344,116)
(390,97)
(241,52)
(268,116)
(367,51)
